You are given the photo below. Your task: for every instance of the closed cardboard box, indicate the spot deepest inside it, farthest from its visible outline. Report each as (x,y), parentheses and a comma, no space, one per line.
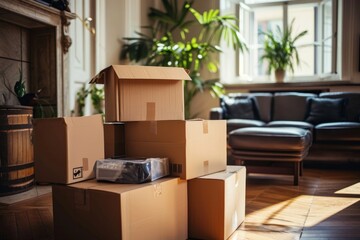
(93,210)
(194,147)
(66,149)
(138,93)
(217,204)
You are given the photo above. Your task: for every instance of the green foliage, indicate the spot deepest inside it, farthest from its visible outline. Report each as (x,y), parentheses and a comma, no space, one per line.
(160,48)
(81,96)
(19,87)
(279,49)
(96,95)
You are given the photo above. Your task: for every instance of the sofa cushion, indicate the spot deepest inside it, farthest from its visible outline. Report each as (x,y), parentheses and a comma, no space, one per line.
(233,124)
(291,106)
(338,131)
(239,108)
(216,113)
(270,139)
(325,110)
(298,124)
(263,103)
(352,108)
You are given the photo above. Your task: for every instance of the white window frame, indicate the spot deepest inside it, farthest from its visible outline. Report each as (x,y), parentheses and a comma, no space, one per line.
(239,78)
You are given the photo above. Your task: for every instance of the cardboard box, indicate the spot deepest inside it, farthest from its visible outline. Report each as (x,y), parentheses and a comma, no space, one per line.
(138,93)
(217,204)
(114,139)
(66,149)
(194,148)
(93,210)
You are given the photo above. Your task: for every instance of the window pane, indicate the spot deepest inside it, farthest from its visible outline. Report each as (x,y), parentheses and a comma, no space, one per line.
(328,19)
(266,19)
(307,61)
(246,29)
(327,55)
(304,19)
(261,1)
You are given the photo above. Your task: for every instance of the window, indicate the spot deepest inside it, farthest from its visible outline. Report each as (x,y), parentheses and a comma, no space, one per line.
(317,49)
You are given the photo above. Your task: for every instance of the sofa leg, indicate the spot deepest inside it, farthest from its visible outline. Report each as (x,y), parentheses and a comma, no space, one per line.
(296,173)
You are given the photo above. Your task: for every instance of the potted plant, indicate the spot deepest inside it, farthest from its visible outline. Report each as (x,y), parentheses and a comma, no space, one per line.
(280,51)
(169,45)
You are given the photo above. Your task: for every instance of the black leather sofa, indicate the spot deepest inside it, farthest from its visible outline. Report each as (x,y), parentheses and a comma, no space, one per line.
(332,117)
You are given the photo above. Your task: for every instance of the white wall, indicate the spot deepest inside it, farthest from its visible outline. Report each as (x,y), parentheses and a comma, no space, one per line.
(117,19)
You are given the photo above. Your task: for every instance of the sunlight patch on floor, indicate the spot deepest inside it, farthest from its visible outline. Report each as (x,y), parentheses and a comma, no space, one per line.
(353,189)
(326,207)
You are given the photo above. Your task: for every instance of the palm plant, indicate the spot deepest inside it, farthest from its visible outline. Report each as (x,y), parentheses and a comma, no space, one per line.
(161,49)
(280,50)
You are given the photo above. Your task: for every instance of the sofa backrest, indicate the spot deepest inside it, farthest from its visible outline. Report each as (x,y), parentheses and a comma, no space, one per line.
(352,103)
(290,106)
(263,102)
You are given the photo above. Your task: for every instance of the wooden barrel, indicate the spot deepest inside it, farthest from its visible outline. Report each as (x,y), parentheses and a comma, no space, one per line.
(16,150)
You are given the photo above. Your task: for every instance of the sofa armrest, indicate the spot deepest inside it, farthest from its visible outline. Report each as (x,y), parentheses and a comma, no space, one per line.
(216,113)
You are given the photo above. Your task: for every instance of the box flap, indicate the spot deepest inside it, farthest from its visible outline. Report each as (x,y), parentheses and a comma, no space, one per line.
(115,187)
(223,175)
(100,77)
(143,72)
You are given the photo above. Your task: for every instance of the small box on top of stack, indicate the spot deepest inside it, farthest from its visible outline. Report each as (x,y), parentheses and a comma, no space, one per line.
(139,93)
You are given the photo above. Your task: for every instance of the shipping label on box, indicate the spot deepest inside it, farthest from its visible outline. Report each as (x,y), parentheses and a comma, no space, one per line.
(66,149)
(139,93)
(194,147)
(217,203)
(93,210)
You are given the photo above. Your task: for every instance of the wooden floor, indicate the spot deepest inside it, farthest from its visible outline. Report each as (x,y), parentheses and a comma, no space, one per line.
(325,205)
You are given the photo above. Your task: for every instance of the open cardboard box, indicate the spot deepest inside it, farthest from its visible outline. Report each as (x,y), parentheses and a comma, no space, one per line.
(194,147)
(96,210)
(138,93)
(66,149)
(217,203)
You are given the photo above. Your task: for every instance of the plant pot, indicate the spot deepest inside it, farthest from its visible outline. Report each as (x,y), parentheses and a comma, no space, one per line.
(280,75)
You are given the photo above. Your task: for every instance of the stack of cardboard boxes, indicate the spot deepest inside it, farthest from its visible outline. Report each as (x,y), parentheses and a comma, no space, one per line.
(144,117)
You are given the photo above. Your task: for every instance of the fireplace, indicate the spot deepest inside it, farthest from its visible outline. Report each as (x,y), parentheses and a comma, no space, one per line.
(34,44)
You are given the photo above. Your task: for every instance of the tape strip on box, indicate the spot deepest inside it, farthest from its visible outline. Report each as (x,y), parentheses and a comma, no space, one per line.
(150,111)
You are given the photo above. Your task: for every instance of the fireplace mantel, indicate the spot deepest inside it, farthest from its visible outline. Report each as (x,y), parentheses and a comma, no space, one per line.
(49,43)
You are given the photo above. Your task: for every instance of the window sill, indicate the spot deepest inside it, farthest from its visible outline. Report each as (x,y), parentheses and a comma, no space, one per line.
(290,86)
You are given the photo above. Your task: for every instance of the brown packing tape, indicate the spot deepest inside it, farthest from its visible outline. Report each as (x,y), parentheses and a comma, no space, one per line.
(85,163)
(150,111)
(205,127)
(153,127)
(81,199)
(206,166)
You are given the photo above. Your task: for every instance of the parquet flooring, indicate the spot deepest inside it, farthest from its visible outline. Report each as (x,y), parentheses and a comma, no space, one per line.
(325,205)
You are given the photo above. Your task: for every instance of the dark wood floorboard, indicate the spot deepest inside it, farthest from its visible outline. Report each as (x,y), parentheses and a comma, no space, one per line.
(325,205)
